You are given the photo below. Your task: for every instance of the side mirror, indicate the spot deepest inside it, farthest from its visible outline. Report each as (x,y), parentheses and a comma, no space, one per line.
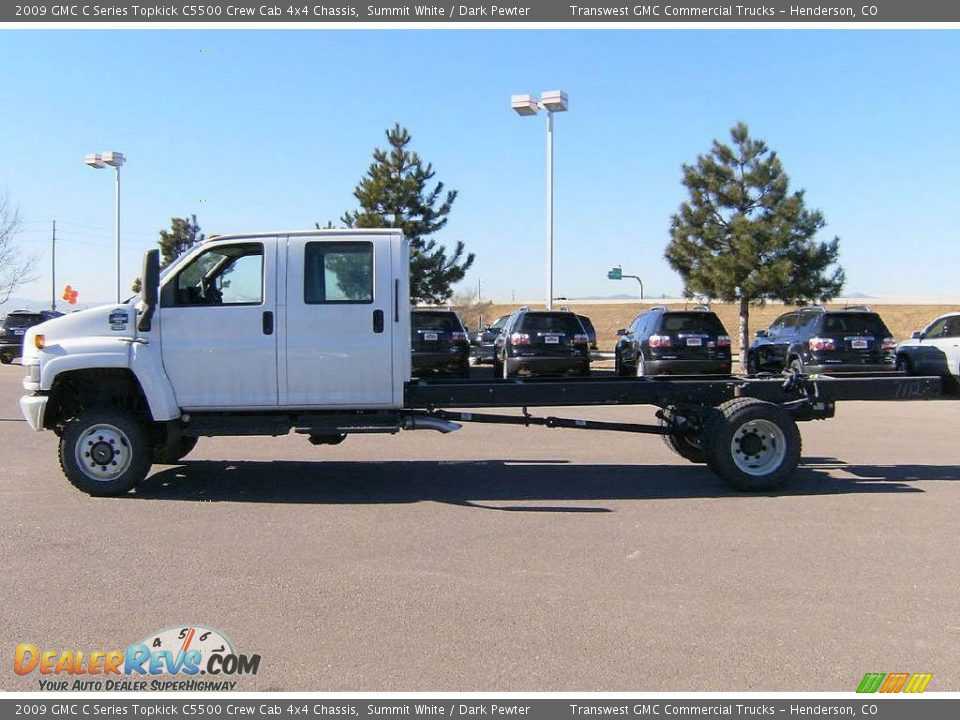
(916,335)
(621,332)
(149,289)
(761,333)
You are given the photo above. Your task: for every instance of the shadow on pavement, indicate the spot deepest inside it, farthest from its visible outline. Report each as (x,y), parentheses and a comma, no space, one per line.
(536,483)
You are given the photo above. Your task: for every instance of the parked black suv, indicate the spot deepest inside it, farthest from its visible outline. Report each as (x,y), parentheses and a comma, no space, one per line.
(679,342)
(438,343)
(589,329)
(815,340)
(485,339)
(542,342)
(15,326)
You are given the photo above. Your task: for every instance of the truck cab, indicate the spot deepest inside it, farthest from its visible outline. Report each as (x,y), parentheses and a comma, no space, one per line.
(263,324)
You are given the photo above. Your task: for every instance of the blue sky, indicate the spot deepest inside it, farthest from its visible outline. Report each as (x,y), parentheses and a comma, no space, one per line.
(260,130)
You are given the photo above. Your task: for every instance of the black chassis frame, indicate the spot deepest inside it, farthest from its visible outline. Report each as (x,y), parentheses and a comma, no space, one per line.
(687,399)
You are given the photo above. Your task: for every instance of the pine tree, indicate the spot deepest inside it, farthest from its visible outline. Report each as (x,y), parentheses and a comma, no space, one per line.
(743,236)
(183,234)
(395,194)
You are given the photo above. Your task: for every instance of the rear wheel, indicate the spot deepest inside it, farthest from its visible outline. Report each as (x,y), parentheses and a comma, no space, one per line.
(752,444)
(640,370)
(105,451)
(689,446)
(6,359)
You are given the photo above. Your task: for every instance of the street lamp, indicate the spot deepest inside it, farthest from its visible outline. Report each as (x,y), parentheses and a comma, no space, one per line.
(553,101)
(115,160)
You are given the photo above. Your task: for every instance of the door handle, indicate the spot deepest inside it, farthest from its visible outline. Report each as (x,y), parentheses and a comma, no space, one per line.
(267,322)
(378,321)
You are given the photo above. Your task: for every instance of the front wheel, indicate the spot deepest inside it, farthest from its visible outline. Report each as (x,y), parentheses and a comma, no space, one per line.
(752,444)
(105,451)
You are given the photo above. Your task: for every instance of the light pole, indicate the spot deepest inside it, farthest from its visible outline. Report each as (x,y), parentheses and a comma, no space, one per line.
(552,101)
(115,160)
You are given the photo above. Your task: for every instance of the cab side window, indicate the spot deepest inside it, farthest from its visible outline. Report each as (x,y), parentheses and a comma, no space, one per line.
(952,328)
(937,329)
(338,272)
(224,275)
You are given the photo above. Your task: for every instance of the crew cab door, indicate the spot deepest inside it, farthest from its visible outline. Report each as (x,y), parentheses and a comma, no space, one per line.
(219,343)
(347,321)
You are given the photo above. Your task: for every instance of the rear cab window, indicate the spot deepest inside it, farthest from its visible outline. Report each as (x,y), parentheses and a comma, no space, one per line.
(447,322)
(855,324)
(691,322)
(16,320)
(551,323)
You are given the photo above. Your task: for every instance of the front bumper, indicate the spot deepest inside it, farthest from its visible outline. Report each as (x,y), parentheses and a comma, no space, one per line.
(33,407)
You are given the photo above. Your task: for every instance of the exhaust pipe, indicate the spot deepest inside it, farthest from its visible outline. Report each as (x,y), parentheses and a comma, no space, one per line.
(420,422)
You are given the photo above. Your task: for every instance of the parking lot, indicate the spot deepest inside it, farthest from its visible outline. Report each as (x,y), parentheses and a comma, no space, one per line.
(502,558)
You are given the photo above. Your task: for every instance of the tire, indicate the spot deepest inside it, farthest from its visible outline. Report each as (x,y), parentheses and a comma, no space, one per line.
(6,359)
(640,370)
(187,444)
(118,437)
(689,447)
(753,445)
(796,365)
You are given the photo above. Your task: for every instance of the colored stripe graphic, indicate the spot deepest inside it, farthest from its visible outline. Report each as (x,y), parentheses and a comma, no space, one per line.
(894,682)
(870,683)
(918,682)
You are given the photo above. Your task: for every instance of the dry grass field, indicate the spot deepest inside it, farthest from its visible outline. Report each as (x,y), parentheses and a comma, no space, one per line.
(608,317)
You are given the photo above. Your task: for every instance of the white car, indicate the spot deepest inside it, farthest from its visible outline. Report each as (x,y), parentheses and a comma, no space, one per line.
(935,351)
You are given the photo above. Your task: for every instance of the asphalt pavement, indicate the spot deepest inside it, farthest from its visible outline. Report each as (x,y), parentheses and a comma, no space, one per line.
(505,558)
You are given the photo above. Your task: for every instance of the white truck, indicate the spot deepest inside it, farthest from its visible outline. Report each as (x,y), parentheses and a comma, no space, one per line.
(261,334)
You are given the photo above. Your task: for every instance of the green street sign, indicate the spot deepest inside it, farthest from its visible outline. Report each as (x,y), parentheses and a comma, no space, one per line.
(615,274)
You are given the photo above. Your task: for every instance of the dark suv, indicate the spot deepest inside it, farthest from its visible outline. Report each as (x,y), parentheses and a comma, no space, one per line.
(485,339)
(681,342)
(815,340)
(438,343)
(15,326)
(542,342)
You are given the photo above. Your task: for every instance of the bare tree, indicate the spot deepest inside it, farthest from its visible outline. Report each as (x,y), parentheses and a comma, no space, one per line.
(15,268)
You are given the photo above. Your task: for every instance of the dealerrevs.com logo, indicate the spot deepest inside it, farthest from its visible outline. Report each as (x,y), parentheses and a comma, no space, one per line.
(190,658)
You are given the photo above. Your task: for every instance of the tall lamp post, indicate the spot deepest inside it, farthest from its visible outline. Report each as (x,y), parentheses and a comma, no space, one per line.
(553,101)
(115,160)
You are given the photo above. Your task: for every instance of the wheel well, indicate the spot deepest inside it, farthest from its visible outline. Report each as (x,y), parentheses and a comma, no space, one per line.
(76,390)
